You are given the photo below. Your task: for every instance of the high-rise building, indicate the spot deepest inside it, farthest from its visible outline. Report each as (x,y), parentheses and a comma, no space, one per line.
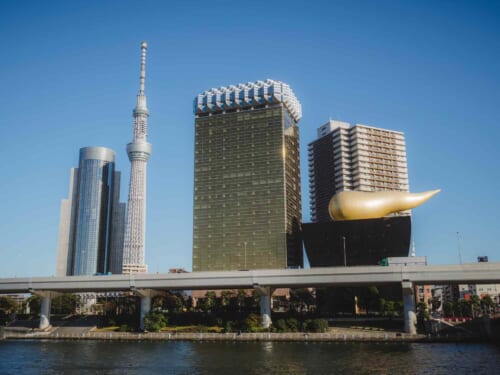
(358,157)
(117,236)
(247,199)
(92,218)
(139,151)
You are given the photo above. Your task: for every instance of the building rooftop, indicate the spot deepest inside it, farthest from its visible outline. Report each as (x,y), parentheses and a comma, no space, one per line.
(248,95)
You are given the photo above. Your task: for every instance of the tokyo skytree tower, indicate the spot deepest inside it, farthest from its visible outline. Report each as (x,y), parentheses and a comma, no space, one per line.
(139,151)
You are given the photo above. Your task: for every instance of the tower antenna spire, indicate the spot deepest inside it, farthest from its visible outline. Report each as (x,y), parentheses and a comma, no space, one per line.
(144,47)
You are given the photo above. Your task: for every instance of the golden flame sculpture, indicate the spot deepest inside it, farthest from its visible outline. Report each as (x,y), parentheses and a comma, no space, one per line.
(357,205)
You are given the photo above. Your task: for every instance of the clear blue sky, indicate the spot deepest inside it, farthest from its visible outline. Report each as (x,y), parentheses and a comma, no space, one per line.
(69,72)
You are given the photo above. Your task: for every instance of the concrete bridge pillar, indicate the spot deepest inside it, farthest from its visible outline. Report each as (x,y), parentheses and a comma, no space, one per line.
(45,305)
(146,295)
(265,305)
(410,316)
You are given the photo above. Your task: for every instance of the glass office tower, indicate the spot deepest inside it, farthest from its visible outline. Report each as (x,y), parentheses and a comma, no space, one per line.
(87,224)
(247,200)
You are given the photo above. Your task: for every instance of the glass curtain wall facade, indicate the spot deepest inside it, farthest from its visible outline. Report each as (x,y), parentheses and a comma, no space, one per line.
(247,200)
(117,228)
(86,230)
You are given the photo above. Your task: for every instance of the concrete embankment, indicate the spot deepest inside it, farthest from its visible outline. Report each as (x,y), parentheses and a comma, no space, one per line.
(204,336)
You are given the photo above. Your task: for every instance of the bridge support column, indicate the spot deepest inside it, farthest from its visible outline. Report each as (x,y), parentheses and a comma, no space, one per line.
(45,305)
(265,305)
(409,308)
(146,295)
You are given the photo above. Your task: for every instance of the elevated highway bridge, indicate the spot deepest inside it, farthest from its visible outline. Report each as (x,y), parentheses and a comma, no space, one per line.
(265,281)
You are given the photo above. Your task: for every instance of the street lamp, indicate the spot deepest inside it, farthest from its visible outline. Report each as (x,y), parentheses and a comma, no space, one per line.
(345,259)
(245,243)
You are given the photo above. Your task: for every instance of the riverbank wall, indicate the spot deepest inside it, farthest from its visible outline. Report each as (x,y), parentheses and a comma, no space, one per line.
(235,337)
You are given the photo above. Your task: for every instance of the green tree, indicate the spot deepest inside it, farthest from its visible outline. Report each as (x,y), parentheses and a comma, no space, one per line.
(64,304)
(8,305)
(173,303)
(464,308)
(487,304)
(157,303)
(34,304)
(189,303)
(389,308)
(448,308)
(225,299)
(208,303)
(241,297)
(155,321)
(253,303)
(122,310)
(475,305)
(422,310)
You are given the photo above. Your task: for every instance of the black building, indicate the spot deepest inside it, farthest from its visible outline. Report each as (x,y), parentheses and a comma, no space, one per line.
(366,241)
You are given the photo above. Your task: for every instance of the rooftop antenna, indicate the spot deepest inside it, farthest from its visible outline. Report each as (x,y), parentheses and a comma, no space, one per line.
(413,252)
(142,77)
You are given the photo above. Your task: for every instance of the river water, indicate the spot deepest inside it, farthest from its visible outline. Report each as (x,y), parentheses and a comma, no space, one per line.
(237,358)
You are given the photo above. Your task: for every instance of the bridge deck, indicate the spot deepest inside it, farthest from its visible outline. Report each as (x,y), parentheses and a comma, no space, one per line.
(477,273)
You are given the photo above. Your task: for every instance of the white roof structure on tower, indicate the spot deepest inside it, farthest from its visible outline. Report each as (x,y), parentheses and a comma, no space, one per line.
(247,95)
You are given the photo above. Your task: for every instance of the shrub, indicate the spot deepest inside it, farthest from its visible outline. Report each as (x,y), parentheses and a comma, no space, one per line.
(281,325)
(293,324)
(315,325)
(229,326)
(155,321)
(252,323)
(124,328)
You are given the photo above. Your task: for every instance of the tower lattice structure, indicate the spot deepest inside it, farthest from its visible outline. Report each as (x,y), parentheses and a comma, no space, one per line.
(139,151)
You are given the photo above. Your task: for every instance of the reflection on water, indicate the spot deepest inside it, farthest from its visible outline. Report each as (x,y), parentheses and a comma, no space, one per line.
(267,346)
(236,358)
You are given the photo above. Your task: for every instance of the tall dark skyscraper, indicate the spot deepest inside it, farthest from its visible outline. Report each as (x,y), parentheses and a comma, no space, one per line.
(247,199)
(92,218)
